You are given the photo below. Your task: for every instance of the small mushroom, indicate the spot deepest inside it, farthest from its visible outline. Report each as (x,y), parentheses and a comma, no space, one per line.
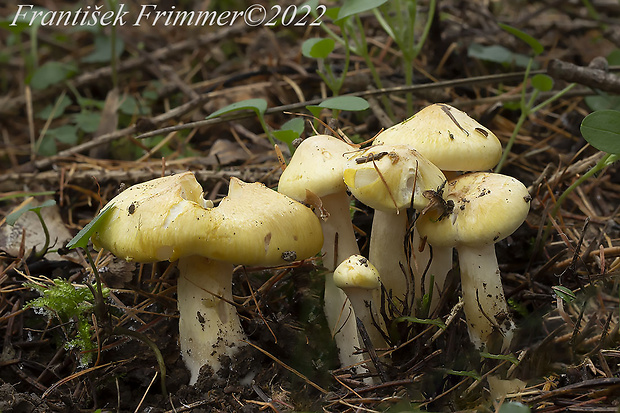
(487,208)
(170,220)
(359,279)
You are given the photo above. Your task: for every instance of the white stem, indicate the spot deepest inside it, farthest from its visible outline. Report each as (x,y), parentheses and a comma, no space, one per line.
(484,302)
(338,222)
(367,310)
(209,327)
(339,245)
(439,267)
(387,254)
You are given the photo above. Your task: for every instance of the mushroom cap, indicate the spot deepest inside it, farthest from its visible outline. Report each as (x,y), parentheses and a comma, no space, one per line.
(356,272)
(487,208)
(166,218)
(317,166)
(447,137)
(391,177)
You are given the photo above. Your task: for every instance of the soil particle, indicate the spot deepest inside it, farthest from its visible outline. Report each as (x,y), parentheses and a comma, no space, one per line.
(13,402)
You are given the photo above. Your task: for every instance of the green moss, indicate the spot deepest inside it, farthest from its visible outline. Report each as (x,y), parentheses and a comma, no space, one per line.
(71,305)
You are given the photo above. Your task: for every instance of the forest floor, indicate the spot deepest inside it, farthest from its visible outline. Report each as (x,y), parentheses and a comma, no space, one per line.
(78,125)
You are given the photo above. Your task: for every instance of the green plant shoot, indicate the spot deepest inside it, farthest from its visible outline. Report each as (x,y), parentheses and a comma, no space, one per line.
(540,83)
(258,106)
(14,216)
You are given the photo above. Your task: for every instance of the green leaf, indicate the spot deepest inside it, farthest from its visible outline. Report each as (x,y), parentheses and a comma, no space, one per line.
(14,216)
(352,103)
(564,293)
(290,130)
(87,121)
(613,58)
(60,108)
(26,194)
(47,146)
(317,48)
(332,13)
(65,134)
(493,53)
(542,82)
(23,23)
(296,125)
(497,54)
(602,102)
(88,103)
(82,237)
(130,106)
(103,50)
(259,106)
(351,7)
(315,110)
(51,73)
(533,43)
(602,130)
(286,136)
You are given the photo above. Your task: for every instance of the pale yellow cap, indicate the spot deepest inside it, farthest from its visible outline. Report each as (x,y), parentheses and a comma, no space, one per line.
(167,218)
(356,272)
(447,137)
(487,208)
(317,166)
(391,177)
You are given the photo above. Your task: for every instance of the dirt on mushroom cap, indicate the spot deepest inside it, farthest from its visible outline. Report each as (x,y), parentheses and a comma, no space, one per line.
(447,137)
(487,208)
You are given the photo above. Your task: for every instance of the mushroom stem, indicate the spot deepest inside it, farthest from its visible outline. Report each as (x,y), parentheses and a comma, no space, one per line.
(484,302)
(340,242)
(339,245)
(438,269)
(365,306)
(209,326)
(387,253)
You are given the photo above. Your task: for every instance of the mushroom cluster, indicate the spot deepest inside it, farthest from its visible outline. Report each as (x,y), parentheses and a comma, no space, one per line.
(425,178)
(432,164)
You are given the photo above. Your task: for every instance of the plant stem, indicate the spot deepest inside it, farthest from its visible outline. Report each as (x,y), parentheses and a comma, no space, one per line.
(122,331)
(43,251)
(527,108)
(511,141)
(427,28)
(554,97)
(263,124)
(363,52)
(101,311)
